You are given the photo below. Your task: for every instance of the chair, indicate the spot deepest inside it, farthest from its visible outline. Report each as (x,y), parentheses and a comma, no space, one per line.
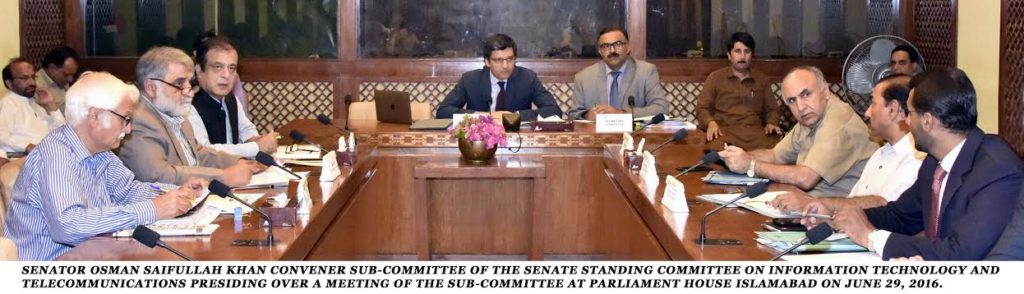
(367,110)
(8,173)
(8,251)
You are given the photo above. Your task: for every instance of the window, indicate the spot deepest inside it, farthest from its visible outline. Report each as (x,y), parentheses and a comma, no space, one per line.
(296,28)
(458,28)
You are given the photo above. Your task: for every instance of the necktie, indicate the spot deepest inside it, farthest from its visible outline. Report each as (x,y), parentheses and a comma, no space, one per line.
(933,230)
(500,101)
(613,93)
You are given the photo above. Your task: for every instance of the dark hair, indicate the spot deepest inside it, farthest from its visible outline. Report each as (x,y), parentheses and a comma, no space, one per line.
(7,74)
(898,90)
(214,42)
(741,37)
(499,42)
(59,55)
(199,41)
(914,56)
(948,94)
(613,29)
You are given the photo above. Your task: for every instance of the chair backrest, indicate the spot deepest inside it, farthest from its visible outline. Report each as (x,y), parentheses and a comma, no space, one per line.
(367,110)
(8,173)
(8,251)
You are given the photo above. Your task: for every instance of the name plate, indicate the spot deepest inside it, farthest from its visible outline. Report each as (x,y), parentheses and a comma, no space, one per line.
(614,123)
(675,195)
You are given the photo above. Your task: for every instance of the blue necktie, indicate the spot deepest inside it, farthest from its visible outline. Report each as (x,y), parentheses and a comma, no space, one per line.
(613,94)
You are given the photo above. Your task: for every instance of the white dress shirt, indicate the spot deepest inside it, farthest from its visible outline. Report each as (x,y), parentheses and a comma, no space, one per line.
(246,131)
(24,122)
(879,237)
(495,89)
(891,170)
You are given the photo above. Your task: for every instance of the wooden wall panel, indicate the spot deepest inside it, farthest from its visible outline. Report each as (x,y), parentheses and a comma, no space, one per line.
(1011,74)
(42,28)
(935,31)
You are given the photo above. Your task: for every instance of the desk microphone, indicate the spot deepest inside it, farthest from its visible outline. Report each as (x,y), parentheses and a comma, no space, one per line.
(297,136)
(709,158)
(222,190)
(348,101)
(813,236)
(678,136)
(752,191)
(657,119)
(632,103)
(265,159)
(151,238)
(323,119)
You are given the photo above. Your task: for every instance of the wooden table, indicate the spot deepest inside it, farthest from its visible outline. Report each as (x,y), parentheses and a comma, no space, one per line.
(584,205)
(448,186)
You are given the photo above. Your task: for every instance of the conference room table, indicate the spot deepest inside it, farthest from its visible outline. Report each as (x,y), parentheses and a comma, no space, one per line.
(409,196)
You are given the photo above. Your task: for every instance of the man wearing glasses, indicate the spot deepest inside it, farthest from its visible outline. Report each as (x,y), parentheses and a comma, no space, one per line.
(606,86)
(500,87)
(73,187)
(217,117)
(827,150)
(162,147)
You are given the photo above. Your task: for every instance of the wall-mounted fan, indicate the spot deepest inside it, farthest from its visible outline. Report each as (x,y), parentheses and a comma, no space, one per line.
(869,62)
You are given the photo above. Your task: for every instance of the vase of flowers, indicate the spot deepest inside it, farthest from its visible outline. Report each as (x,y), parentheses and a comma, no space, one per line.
(479,137)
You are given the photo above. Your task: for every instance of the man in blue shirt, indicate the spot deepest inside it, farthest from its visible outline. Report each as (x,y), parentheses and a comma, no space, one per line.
(73,187)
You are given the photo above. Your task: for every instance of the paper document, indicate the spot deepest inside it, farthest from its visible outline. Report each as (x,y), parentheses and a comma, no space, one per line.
(273,177)
(757,204)
(783,240)
(199,223)
(227,205)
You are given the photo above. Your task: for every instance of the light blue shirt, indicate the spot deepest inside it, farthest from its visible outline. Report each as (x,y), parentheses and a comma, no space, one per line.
(64,196)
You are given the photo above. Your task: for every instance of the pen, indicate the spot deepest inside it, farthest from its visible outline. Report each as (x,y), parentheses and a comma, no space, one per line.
(815,215)
(157,189)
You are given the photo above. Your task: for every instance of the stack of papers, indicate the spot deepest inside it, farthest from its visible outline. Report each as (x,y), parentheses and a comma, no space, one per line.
(227,205)
(196,224)
(782,240)
(757,204)
(272,177)
(729,178)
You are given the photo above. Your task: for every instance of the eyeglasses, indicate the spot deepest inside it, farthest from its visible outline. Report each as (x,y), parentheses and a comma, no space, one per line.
(617,45)
(503,60)
(127,120)
(191,88)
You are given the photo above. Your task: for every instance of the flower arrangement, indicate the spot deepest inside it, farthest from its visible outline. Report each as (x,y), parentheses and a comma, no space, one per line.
(480,128)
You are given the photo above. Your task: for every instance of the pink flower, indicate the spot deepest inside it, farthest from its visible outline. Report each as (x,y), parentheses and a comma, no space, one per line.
(480,128)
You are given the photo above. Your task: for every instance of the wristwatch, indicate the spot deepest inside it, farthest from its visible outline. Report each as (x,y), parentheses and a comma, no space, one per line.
(750,171)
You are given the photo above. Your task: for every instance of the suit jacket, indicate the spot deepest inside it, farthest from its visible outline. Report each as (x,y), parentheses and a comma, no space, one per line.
(1011,244)
(473,93)
(981,190)
(639,79)
(153,152)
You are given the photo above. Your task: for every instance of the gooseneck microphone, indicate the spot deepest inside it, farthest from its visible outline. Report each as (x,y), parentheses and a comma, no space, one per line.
(323,119)
(348,101)
(813,236)
(657,119)
(709,158)
(151,238)
(222,190)
(752,191)
(678,136)
(297,136)
(265,159)
(632,103)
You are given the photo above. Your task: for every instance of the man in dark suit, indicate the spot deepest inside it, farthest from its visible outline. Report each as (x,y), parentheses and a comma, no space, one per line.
(1011,243)
(962,212)
(500,87)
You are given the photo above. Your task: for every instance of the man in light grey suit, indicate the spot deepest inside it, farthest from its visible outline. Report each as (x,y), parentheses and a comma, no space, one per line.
(606,86)
(162,147)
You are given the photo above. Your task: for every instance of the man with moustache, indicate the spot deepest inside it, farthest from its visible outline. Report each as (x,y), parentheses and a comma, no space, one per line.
(217,117)
(500,87)
(26,114)
(162,147)
(892,168)
(737,104)
(605,87)
(826,151)
(966,189)
(58,72)
(73,187)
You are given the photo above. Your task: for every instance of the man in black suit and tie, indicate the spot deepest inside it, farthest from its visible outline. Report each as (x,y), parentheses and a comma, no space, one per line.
(966,189)
(500,87)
